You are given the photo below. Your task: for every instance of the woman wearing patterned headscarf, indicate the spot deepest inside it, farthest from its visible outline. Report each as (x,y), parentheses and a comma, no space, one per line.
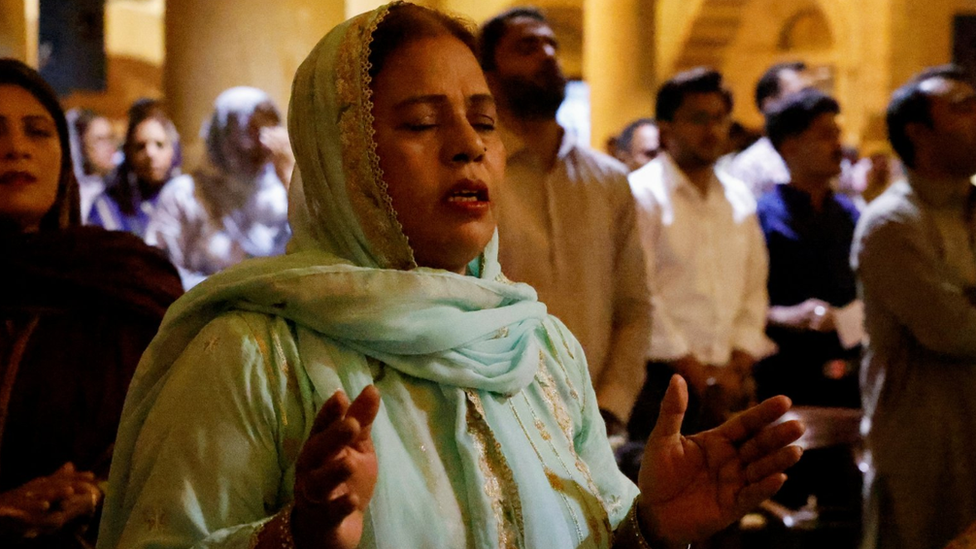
(474,423)
(236,207)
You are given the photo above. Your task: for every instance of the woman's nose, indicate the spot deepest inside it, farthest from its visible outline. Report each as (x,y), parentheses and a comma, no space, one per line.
(466,144)
(13,145)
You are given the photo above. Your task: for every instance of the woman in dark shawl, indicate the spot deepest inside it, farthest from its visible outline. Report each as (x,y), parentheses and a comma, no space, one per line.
(78,305)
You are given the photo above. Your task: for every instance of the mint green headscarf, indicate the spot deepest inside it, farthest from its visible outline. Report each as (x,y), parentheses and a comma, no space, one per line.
(349,273)
(350,276)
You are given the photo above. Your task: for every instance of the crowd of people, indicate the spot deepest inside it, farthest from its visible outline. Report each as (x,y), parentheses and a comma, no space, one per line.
(483,333)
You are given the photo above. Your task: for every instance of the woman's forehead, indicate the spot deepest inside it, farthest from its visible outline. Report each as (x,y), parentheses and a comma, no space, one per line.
(15,99)
(431,65)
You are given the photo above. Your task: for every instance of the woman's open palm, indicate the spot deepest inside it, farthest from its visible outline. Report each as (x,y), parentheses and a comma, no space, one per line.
(692,487)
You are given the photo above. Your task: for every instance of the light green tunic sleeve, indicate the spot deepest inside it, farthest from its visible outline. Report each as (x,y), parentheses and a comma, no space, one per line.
(615,489)
(218,446)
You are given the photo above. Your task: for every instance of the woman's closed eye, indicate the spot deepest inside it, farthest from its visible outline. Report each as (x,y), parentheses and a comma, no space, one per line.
(419,127)
(482,123)
(38,128)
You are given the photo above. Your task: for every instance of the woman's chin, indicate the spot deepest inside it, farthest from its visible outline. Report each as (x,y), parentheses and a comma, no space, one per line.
(454,257)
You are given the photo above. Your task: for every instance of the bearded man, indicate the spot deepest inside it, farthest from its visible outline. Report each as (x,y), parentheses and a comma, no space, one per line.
(566,217)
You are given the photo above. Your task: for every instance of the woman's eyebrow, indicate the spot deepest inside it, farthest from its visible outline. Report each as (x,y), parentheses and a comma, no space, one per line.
(478,99)
(421,99)
(38,118)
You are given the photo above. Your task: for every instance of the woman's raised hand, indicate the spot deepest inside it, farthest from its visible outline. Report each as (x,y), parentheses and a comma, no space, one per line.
(275,139)
(692,487)
(336,473)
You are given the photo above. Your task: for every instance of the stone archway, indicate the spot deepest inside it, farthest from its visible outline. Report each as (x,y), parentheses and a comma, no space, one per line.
(743,37)
(711,32)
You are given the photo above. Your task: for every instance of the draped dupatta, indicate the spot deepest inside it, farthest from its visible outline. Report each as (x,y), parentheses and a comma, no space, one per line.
(351,281)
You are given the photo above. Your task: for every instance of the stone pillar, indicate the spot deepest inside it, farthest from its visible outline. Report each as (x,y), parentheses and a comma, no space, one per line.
(217,44)
(618,63)
(14,30)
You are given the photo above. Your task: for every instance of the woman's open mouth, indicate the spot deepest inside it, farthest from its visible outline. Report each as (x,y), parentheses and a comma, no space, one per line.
(469,195)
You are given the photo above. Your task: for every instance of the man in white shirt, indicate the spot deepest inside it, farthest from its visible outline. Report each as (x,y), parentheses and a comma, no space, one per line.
(566,218)
(706,258)
(760,167)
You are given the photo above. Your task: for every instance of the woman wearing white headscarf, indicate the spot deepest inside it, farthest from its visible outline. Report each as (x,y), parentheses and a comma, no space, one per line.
(236,207)
(475,423)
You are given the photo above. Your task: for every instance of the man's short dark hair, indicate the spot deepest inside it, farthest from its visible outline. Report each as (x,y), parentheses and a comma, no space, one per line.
(769,85)
(495,28)
(698,80)
(910,105)
(794,114)
(626,136)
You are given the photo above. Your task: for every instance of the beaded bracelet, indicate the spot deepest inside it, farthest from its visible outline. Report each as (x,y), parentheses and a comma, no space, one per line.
(279,525)
(287,540)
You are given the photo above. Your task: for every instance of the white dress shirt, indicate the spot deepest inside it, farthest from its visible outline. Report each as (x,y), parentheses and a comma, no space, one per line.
(760,167)
(706,265)
(570,232)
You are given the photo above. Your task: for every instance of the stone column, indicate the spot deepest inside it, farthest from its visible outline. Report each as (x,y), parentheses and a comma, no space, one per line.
(618,63)
(13,31)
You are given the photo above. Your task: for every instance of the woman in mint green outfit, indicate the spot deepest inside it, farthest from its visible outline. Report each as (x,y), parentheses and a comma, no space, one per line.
(475,423)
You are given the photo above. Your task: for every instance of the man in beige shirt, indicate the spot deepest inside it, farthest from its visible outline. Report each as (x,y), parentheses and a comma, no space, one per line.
(914,254)
(566,217)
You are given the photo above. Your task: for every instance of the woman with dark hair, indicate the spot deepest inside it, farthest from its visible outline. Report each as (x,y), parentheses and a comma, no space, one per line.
(93,151)
(78,305)
(473,421)
(152,158)
(236,206)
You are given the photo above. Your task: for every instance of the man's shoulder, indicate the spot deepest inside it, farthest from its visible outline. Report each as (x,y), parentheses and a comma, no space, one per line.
(736,191)
(895,204)
(757,154)
(894,210)
(601,165)
(770,203)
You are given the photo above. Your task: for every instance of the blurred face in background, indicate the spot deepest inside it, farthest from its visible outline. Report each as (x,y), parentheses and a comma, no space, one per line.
(698,135)
(152,152)
(815,153)
(790,82)
(30,158)
(947,145)
(527,74)
(100,146)
(645,145)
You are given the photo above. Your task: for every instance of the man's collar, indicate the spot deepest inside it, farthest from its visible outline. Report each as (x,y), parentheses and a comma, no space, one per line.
(797,195)
(679,180)
(515,145)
